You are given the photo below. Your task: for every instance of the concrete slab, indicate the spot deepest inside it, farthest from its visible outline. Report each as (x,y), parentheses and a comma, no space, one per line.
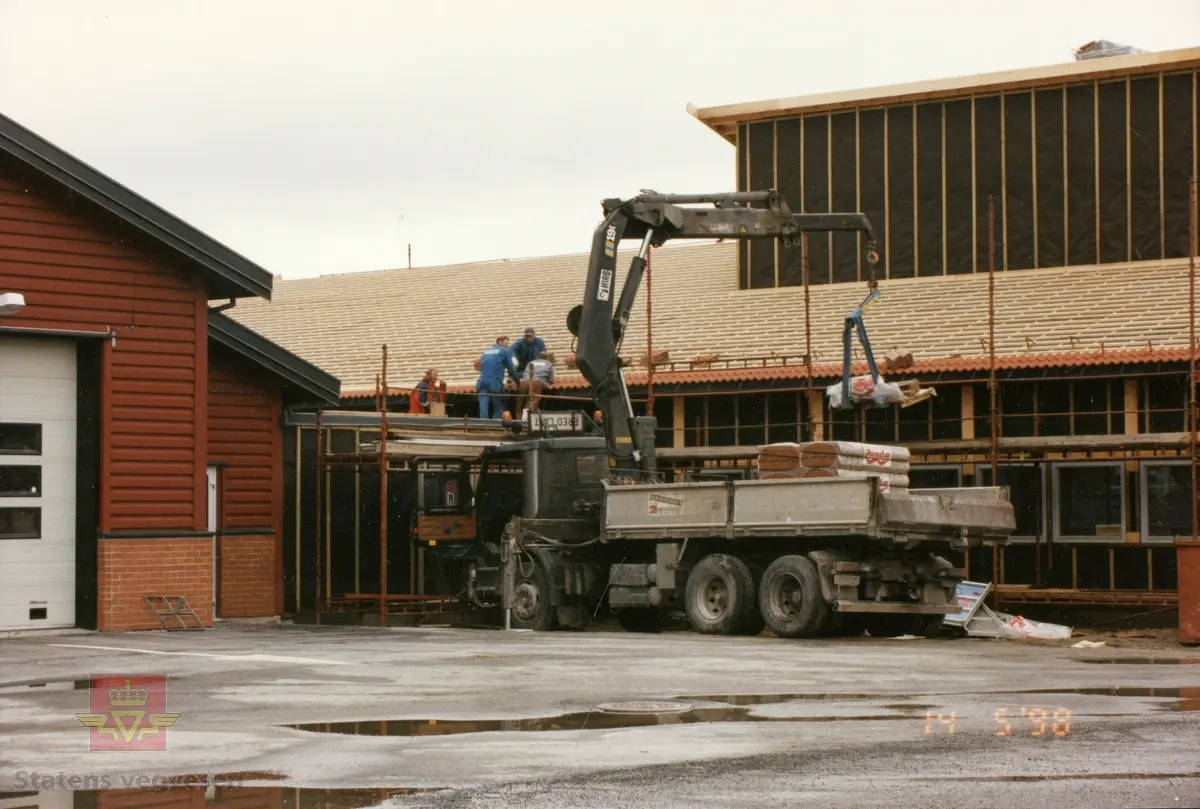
(845,722)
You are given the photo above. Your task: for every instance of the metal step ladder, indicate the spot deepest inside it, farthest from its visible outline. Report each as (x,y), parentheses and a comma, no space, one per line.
(176,607)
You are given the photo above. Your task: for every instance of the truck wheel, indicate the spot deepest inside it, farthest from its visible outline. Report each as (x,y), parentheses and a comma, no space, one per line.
(719,595)
(650,620)
(790,598)
(531,607)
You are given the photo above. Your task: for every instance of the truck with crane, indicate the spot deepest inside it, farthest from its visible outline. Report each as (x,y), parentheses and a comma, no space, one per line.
(561,519)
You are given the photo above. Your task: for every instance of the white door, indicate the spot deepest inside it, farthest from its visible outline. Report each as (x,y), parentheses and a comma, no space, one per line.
(37,483)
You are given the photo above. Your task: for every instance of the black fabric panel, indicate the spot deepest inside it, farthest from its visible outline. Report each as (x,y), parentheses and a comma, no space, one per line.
(929,190)
(1178,143)
(844,194)
(743,149)
(960,194)
(989,180)
(816,193)
(871,169)
(901,219)
(1018,181)
(791,188)
(1114,188)
(1081,175)
(1051,203)
(1143,161)
(762,177)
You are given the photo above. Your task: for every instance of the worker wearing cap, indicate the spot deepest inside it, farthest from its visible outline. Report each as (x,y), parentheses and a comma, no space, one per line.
(493,365)
(528,350)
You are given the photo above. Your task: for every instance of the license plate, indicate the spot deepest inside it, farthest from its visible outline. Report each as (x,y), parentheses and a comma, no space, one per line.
(556,422)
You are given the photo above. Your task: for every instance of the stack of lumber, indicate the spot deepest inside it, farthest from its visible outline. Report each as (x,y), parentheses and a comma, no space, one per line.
(836,459)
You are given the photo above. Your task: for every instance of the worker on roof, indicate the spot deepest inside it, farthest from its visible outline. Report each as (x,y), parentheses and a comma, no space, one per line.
(495,363)
(538,374)
(428,391)
(528,350)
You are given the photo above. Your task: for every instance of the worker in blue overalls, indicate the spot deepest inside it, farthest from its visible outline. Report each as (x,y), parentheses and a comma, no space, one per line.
(493,365)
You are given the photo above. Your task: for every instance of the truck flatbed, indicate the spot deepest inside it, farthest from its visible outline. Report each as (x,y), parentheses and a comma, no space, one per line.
(805,508)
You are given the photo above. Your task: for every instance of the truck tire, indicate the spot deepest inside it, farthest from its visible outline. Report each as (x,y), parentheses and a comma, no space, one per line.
(791,600)
(650,620)
(719,595)
(754,623)
(531,607)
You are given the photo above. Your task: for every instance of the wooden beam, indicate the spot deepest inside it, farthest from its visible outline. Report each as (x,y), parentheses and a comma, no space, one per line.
(1131,406)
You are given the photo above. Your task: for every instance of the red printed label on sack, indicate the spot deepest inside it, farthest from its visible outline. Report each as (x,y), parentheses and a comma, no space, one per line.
(878,457)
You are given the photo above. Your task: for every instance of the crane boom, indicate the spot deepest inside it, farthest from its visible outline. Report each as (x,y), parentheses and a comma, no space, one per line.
(599,323)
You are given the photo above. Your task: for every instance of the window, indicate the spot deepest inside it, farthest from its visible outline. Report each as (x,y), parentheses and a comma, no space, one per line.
(20,481)
(1024,482)
(1089,502)
(935,477)
(20,439)
(21,523)
(1166,495)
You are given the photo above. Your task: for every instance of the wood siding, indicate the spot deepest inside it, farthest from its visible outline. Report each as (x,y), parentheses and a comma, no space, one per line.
(82,270)
(1081,173)
(245,432)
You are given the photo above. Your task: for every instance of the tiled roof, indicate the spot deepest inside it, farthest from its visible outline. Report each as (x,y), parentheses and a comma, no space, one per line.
(446,316)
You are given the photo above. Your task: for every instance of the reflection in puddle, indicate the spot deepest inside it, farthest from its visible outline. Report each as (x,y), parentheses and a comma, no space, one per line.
(1186,698)
(51,685)
(583,720)
(1144,661)
(218,797)
(772,699)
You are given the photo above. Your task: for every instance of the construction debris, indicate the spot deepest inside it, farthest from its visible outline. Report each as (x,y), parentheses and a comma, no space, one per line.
(848,460)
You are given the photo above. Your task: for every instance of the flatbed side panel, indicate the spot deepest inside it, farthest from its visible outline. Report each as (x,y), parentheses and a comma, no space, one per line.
(811,504)
(667,509)
(933,510)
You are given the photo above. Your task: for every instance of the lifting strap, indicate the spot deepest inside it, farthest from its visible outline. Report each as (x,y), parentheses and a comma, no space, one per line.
(854,324)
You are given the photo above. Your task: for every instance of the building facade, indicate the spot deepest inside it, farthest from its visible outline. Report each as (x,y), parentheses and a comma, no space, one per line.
(139,429)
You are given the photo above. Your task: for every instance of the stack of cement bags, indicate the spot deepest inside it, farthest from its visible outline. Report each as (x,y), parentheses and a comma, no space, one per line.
(836,459)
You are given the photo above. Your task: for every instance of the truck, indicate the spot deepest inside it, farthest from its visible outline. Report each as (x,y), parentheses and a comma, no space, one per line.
(563,519)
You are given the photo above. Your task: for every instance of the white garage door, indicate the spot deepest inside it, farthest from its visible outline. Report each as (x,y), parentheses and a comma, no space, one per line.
(37,483)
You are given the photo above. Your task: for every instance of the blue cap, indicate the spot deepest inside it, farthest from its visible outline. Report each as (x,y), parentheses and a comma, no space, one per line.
(530,330)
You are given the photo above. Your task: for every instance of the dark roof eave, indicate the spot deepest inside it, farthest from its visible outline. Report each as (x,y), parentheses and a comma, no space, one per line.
(315,383)
(237,276)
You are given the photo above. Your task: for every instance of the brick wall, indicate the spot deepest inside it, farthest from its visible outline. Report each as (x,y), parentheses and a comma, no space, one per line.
(132,568)
(247,576)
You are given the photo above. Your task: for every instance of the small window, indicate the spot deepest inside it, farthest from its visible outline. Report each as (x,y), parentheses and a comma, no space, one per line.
(20,481)
(1166,498)
(20,523)
(20,439)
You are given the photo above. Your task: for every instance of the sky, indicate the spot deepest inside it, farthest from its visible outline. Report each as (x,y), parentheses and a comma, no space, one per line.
(318,137)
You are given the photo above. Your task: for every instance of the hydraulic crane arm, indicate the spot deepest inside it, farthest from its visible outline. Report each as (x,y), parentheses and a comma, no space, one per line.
(599,322)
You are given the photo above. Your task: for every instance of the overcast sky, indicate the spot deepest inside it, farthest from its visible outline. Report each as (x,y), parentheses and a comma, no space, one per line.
(321,137)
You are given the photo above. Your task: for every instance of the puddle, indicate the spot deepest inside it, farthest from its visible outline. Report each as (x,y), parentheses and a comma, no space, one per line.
(582,720)
(772,699)
(1100,776)
(47,685)
(1187,698)
(1143,661)
(218,797)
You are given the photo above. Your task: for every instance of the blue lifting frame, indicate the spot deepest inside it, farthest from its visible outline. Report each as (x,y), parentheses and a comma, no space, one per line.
(854,323)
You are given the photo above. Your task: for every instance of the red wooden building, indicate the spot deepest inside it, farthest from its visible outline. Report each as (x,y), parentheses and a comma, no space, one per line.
(140,429)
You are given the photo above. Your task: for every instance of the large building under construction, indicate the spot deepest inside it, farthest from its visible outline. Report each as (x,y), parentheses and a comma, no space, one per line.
(1085,170)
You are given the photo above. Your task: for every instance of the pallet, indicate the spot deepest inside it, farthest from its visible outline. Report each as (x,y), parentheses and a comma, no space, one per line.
(177,608)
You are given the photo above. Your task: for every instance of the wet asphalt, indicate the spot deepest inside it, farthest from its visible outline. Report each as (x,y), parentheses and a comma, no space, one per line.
(445,717)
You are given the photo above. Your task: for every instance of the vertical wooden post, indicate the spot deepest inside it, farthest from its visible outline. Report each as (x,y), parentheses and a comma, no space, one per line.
(991,227)
(383,491)
(1191,398)
(968,412)
(317,522)
(650,335)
